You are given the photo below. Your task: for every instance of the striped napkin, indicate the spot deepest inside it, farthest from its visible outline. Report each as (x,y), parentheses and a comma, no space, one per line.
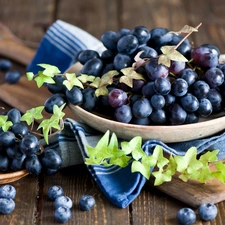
(58,47)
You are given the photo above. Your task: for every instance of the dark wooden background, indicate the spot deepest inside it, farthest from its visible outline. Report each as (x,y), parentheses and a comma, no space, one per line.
(28,20)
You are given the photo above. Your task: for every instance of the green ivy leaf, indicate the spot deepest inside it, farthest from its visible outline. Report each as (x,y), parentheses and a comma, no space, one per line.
(49,70)
(158,155)
(4,124)
(188,161)
(71,81)
(30,76)
(205,174)
(163,59)
(173,54)
(42,78)
(161,176)
(101,83)
(84,78)
(32,114)
(220,174)
(137,166)
(101,91)
(185,30)
(209,156)
(57,111)
(133,147)
(129,75)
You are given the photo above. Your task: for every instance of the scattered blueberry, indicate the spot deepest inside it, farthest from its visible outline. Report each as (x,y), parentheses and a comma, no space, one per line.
(62,214)
(6,205)
(5,64)
(63,201)
(7,191)
(54,192)
(207,211)
(186,216)
(86,202)
(12,77)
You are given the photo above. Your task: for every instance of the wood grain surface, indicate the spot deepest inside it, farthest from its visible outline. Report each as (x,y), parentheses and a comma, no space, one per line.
(28,20)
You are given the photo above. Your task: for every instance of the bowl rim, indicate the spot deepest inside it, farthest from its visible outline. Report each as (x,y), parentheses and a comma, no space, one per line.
(129,125)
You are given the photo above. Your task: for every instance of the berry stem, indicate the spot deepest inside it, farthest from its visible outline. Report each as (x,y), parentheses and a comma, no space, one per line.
(185,37)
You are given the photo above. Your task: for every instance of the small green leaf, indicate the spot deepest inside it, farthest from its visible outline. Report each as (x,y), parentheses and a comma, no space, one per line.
(32,114)
(121,161)
(57,111)
(107,78)
(30,76)
(84,78)
(163,59)
(101,91)
(96,82)
(220,173)
(49,70)
(184,161)
(161,177)
(71,81)
(185,30)
(129,75)
(209,156)
(158,154)
(173,54)
(141,168)
(41,79)
(4,124)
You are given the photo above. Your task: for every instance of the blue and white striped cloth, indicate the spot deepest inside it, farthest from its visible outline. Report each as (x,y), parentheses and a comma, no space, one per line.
(58,47)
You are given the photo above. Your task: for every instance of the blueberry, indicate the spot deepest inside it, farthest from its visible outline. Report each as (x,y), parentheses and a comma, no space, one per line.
(7,191)
(62,214)
(63,201)
(5,64)
(12,77)
(207,211)
(51,159)
(86,202)
(54,192)
(186,216)
(6,205)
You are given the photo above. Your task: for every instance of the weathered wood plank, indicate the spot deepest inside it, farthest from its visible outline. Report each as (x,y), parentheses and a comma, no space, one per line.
(94,17)
(25,209)
(27,18)
(76,181)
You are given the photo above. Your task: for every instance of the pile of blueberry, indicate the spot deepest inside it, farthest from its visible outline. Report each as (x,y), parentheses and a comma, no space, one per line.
(7,196)
(10,76)
(20,149)
(179,94)
(206,211)
(63,204)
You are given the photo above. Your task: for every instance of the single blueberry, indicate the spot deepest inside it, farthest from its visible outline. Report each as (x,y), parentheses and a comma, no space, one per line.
(186,216)
(54,192)
(6,205)
(86,202)
(207,211)
(63,201)
(7,191)
(62,214)
(12,77)
(5,64)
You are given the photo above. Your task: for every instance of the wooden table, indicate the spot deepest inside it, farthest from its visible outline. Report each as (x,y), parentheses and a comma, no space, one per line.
(28,20)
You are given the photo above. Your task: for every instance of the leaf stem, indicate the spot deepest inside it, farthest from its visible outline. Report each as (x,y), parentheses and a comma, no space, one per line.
(185,37)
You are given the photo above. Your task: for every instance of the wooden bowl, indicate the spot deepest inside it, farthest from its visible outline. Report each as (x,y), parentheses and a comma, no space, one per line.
(167,134)
(13,176)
